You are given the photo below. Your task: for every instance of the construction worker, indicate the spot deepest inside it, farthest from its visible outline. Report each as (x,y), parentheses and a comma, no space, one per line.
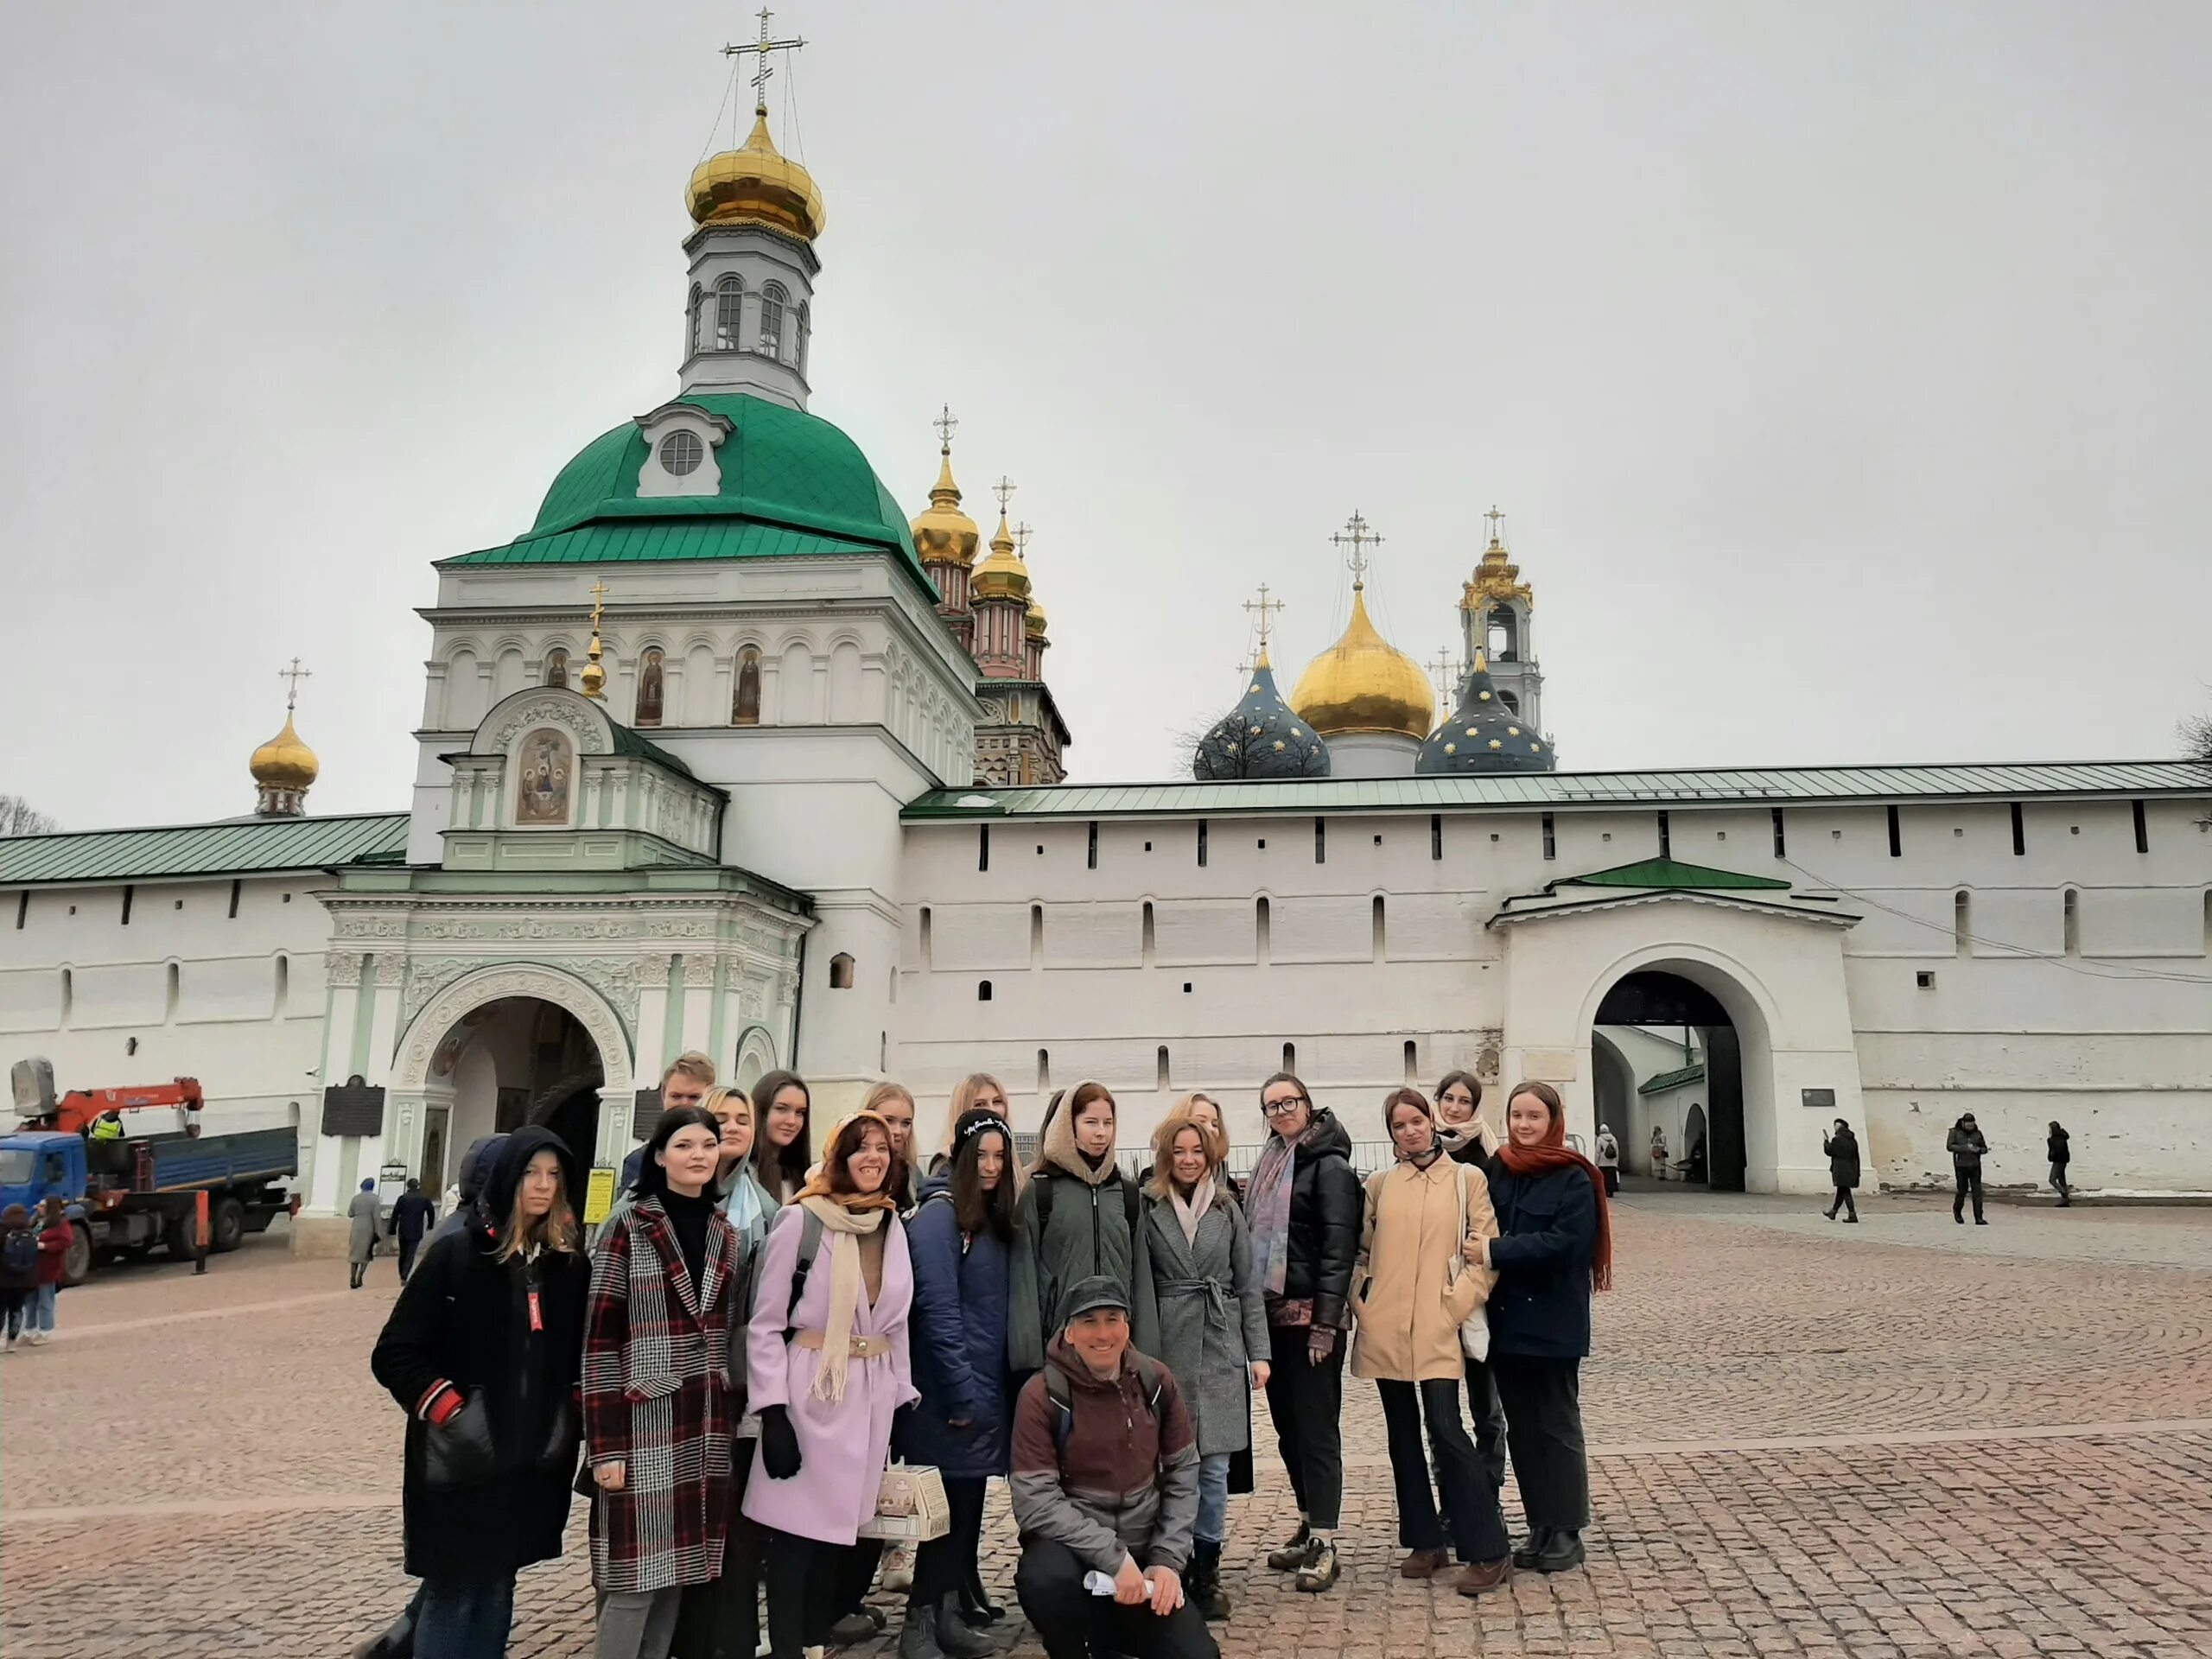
(108,1126)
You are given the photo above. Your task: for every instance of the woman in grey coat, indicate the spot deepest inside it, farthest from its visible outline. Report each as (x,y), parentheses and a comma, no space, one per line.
(361,1242)
(1201,1311)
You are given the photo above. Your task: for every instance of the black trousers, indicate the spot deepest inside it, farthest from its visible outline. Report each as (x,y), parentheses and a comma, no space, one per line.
(1845,1201)
(1543,1429)
(1073,1624)
(944,1566)
(1307,1403)
(358,1268)
(807,1582)
(720,1619)
(1489,1422)
(1969,1182)
(407,1249)
(1469,1504)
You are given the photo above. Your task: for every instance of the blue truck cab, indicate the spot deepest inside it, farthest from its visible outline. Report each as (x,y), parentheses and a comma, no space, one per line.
(39,1164)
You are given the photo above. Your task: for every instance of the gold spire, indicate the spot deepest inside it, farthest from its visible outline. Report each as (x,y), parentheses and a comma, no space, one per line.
(1496,578)
(943,534)
(755,183)
(593,680)
(1003,576)
(284,767)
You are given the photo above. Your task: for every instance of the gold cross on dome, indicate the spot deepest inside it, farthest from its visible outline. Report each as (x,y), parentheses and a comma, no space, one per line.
(1357,535)
(764,46)
(1004,490)
(1264,608)
(1496,518)
(598,590)
(946,425)
(294,674)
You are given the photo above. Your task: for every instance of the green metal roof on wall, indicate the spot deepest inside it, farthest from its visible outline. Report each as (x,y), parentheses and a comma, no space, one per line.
(1650,873)
(1731,786)
(233,847)
(628,741)
(1675,1080)
(791,484)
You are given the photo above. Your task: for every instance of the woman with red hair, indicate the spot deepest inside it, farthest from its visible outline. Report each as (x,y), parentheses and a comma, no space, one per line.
(1554,1241)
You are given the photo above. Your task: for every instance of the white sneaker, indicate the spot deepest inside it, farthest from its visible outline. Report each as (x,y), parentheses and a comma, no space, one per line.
(37,1338)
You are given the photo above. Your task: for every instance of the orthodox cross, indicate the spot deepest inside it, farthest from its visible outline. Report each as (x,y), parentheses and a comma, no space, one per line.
(1021,534)
(764,46)
(1004,490)
(598,591)
(294,674)
(1496,518)
(1357,535)
(946,424)
(1264,608)
(1440,671)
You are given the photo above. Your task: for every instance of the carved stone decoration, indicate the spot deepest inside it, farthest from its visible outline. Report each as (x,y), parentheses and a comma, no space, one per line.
(449,927)
(341,967)
(614,977)
(557,710)
(428,976)
(489,984)
(698,969)
(391,966)
(371,927)
(653,970)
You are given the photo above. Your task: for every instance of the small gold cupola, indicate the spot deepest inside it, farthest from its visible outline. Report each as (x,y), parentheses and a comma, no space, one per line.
(284,767)
(943,534)
(756,184)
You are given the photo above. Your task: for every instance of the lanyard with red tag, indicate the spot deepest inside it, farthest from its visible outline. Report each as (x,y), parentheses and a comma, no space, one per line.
(536,1318)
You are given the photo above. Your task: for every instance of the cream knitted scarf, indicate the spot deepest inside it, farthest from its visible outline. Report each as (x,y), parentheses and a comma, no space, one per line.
(844,1230)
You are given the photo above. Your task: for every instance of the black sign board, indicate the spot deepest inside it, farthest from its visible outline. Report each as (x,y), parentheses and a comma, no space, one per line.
(353,1107)
(1819,1100)
(645,1113)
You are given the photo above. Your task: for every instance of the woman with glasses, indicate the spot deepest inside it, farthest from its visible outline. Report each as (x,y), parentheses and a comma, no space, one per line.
(1304,1205)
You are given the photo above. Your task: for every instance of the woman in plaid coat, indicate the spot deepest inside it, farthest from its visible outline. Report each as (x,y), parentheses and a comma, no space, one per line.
(656,1393)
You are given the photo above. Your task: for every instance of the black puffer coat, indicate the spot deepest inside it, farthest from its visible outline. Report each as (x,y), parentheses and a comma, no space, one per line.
(1326,1206)
(488,1493)
(1842,1148)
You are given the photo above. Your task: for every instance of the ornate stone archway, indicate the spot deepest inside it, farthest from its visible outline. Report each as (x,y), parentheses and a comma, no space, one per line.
(410,1067)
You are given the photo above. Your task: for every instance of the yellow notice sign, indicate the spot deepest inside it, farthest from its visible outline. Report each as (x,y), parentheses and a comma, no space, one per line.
(599,1197)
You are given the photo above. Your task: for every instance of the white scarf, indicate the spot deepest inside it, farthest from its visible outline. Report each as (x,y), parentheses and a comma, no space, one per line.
(845,1228)
(1193,1212)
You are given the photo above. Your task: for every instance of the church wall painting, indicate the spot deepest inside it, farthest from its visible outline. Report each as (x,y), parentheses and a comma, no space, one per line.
(546,776)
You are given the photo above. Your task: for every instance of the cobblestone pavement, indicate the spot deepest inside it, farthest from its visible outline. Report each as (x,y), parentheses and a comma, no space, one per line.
(1903,1440)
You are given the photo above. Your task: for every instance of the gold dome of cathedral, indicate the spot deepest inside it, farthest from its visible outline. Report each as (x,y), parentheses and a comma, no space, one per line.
(1363,683)
(756,184)
(285,762)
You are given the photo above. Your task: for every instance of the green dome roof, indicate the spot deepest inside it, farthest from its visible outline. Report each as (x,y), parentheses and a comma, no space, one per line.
(792,483)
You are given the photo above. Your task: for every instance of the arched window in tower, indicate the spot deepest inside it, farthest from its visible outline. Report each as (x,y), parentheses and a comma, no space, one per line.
(745,707)
(772,301)
(805,334)
(729,311)
(649,687)
(693,314)
(556,667)
(1504,635)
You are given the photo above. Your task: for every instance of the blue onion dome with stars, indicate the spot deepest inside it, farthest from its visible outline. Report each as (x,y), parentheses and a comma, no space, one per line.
(1263,737)
(1483,734)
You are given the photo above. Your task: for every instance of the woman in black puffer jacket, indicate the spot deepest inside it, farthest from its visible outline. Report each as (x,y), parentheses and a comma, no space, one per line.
(1304,1204)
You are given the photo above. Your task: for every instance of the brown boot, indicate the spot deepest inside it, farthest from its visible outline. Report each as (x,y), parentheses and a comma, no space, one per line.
(1485,1575)
(1424,1564)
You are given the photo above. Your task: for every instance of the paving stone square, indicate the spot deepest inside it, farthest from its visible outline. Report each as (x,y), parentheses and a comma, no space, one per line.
(1901,1440)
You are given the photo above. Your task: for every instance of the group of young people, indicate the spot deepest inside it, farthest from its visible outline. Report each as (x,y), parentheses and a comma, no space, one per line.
(751,1338)
(34,1260)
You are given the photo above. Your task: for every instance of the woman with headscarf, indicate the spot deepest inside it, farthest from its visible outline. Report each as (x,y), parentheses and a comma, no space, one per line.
(1078,1218)
(961,1240)
(1416,1291)
(1554,1241)
(1304,1205)
(481,1351)
(828,1369)
(656,1396)
(782,1109)
(1460,1131)
(1842,1150)
(1200,1311)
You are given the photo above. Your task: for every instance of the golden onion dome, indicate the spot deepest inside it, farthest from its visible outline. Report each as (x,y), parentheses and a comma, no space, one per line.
(1003,576)
(756,185)
(285,762)
(1363,683)
(1033,623)
(943,534)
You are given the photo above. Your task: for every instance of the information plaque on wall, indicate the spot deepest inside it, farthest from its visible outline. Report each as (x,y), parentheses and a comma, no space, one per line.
(1819,1100)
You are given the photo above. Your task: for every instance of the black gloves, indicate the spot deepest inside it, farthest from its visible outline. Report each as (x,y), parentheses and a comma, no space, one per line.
(779,1443)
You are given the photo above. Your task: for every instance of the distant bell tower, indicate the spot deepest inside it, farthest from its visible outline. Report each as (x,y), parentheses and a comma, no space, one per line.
(1494,620)
(750,314)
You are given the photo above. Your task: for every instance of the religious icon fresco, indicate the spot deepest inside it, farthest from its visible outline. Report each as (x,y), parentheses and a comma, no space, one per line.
(542,793)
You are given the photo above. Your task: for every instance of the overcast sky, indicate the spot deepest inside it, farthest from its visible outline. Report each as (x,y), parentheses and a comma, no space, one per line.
(1845,372)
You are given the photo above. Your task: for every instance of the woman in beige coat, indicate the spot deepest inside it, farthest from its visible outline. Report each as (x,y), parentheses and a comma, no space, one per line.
(1415,1291)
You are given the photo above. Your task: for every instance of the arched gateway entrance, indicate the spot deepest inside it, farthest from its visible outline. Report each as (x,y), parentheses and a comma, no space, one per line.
(1667,1056)
(501,1048)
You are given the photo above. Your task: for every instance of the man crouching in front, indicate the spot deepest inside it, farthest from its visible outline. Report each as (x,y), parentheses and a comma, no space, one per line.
(1105,1490)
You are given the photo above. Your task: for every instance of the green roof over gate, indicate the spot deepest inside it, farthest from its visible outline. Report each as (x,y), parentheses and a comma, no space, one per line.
(233,847)
(791,485)
(1667,872)
(1728,786)
(1675,1080)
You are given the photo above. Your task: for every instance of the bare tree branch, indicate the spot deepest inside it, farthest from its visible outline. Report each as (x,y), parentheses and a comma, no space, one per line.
(19,818)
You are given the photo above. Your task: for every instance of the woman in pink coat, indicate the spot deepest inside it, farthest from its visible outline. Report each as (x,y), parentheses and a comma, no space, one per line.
(827,1368)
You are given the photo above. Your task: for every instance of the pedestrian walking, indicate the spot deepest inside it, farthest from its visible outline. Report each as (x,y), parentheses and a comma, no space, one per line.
(1305,1213)
(1841,1146)
(1105,1492)
(656,1390)
(1416,1291)
(1201,1312)
(2055,1147)
(1078,1218)
(1554,1241)
(361,1214)
(1967,1146)
(782,1110)
(1609,1160)
(412,1217)
(18,1271)
(1467,1138)
(828,1366)
(482,1351)
(55,1235)
(961,1241)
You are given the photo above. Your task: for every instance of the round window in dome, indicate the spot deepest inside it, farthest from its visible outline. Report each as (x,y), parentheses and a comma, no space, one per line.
(681,454)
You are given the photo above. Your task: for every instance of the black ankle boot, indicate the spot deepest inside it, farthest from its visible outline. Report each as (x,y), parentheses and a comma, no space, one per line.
(1532,1547)
(1563,1550)
(1203,1588)
(959,1639)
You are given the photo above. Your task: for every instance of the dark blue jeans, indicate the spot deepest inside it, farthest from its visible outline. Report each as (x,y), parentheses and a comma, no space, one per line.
(465,1619)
